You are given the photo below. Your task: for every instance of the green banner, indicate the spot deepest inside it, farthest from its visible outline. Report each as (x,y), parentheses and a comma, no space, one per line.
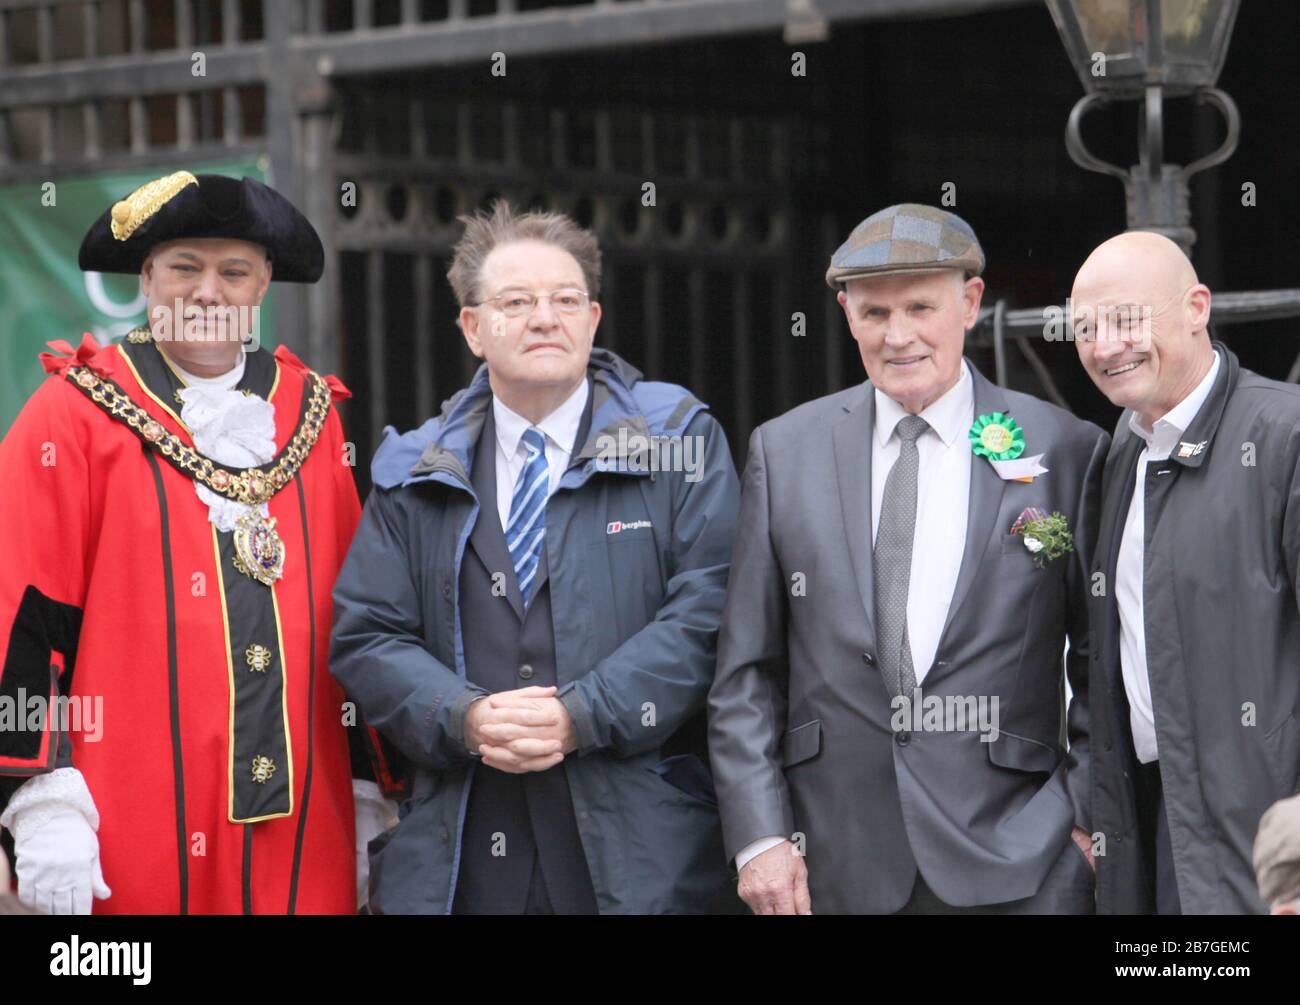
(44,296)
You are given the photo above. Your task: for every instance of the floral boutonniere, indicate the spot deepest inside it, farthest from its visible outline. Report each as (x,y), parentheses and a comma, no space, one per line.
(999,438)
(1046,537)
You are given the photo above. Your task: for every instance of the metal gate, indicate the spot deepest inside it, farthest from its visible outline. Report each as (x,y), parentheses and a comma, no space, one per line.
(694,214)
(699,279)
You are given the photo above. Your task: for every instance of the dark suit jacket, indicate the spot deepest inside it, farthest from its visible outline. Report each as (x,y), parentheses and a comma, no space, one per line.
(800,717)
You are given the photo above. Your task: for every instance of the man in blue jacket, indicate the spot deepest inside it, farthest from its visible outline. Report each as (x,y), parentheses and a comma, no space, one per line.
(530,609)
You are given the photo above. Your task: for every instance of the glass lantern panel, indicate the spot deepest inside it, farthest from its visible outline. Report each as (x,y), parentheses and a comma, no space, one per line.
(1188,29)
(1105,25)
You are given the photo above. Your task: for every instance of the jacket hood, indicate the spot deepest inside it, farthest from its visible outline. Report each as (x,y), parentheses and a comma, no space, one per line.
(626,411)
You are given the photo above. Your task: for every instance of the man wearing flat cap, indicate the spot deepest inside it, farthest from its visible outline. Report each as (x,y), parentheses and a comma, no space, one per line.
(888,731)
(176,507)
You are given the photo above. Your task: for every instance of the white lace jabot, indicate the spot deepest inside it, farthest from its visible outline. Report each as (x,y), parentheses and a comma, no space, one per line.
(230,427)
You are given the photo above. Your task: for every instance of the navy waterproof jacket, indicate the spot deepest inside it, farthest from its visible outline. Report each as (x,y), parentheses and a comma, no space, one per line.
(638,544)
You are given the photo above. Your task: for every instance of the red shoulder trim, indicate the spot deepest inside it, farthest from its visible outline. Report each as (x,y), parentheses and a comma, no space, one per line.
(81,356)
(338,391)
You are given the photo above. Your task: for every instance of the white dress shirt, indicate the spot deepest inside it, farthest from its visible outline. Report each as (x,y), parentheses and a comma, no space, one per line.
(1130,564)
(942,507)
(560,429)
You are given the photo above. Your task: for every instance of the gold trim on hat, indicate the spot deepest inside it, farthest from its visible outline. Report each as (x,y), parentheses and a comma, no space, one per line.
(144,202)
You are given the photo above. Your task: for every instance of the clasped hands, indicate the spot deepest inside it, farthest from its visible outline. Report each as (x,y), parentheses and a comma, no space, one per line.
(517,731)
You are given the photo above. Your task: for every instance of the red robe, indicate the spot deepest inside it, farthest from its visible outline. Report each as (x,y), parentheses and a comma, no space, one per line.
(88,585)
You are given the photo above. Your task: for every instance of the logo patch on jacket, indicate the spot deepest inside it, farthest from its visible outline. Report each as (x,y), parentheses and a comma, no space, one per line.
(618,526)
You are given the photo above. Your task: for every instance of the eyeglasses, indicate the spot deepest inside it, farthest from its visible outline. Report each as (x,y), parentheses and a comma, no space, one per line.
(522,303)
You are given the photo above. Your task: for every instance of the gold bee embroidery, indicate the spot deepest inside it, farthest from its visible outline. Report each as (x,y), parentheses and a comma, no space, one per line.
(258,658)
(263,769)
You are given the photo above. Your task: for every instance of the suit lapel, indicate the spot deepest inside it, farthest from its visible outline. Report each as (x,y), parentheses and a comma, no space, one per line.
(851,441)
(985,500)
(488,539)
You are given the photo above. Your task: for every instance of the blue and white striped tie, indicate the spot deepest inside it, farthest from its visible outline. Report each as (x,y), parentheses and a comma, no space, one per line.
(527,529)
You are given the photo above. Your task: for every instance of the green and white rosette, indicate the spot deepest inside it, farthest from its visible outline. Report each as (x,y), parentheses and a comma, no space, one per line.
(997,437)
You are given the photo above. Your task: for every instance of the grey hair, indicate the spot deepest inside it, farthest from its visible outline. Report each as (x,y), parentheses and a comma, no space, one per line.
(489,229)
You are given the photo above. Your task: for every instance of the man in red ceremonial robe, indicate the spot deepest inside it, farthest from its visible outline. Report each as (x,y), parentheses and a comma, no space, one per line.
(176,507)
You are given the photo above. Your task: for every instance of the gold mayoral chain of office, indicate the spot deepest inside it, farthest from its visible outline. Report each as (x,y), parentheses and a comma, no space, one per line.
(259,550)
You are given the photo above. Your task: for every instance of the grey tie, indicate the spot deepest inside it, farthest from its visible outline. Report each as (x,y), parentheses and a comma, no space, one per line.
(893,556)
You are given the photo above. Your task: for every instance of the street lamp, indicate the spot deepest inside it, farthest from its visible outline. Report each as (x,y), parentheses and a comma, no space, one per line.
(1144,50)
(1148,50)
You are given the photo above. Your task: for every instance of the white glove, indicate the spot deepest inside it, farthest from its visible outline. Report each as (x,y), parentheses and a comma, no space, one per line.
(53,821)
(375,814)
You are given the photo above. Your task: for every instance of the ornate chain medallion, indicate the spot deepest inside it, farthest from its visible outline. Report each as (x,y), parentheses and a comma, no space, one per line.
(259,551)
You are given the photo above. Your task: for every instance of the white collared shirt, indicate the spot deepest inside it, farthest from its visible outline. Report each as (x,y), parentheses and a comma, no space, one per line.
(942,507)
(560,429)
(1130,564)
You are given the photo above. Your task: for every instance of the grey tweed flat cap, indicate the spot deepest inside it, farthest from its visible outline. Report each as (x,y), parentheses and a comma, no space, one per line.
(908,237)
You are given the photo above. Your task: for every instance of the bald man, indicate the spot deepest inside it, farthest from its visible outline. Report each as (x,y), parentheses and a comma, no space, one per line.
(1195,680)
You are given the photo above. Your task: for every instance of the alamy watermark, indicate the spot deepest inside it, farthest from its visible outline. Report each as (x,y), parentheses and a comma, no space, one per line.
(1087,322)
(950,713)
(653,453)
(24,713)
(178,323)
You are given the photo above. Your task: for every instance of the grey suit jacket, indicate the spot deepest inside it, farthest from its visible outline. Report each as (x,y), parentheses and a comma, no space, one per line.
(800,733)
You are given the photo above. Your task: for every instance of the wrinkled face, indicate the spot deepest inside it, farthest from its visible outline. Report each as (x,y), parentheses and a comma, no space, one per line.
(1137,336)
(910,329)
(548,346)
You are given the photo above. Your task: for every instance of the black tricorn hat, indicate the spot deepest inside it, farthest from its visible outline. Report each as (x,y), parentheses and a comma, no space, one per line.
(184,205)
